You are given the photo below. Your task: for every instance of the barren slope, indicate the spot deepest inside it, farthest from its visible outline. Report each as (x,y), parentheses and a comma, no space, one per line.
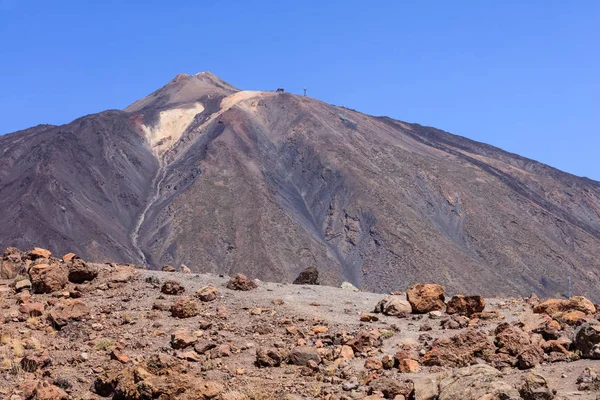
(223,180)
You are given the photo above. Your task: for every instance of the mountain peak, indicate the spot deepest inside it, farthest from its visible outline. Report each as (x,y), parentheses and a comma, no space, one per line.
(184,88)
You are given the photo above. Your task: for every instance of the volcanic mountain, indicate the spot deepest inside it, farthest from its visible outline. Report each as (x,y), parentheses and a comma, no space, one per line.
(265,183)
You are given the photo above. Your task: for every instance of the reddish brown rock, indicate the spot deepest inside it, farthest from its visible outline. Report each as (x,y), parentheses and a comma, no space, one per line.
(69,257)
(241,282)
(23,284)
(172,288)
(122,274)
(573,317)
(185,307)
(80,271)
(465,305)
(32,309)
(373,364)
(529,357)
(268,357)
(38,252)
(460,350)
(390,388)
(424,298)
(511,339)
(556,306)
(48,278)
(207,293)
(408,366)
(68,310)
(182,338)
(120,356)
(365,340)
(50,392)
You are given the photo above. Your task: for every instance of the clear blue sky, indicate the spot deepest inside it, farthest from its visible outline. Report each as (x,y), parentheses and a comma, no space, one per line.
(521,75)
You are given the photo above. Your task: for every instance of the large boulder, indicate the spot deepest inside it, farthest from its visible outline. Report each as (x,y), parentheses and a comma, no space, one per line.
(66,311)
(465,305)
(80,271)
(555,307)
(394,306)
(310,276)
(459,350)
(48,278)
(530,356)
(476,382)
(122,274)
(587,340)
(241,282)
(426,297)
(185,307)
(510,339)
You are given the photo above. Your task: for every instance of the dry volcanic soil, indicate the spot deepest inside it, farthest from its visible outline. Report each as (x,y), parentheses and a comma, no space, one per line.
(71,329)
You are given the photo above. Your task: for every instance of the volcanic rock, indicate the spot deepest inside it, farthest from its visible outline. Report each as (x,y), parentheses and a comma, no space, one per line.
(68,310)
(241,282)
(460,350)
(301,355)
(475,382)
(207,293)
(310,276)
(465,305)
(48,278)
(587,340)
(185,307)
(80,271)
(172,288)
(394,306)
(424,298)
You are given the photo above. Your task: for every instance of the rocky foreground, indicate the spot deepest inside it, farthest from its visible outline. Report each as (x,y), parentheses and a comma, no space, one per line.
(76,330)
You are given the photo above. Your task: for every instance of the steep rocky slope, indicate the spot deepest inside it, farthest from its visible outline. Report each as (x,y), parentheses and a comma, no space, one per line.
(222,180)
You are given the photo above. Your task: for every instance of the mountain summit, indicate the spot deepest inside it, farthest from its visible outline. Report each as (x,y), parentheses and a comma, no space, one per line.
(227,180)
